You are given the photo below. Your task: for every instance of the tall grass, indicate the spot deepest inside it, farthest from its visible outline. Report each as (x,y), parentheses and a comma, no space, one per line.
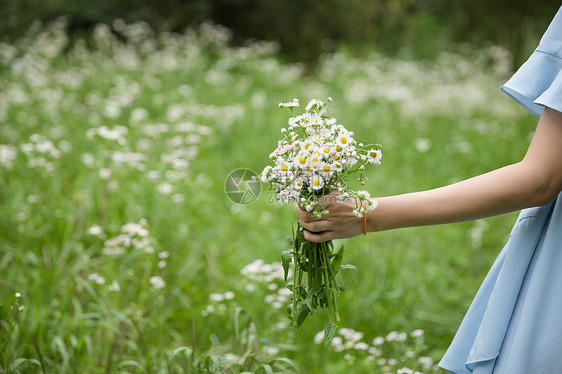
(121,252)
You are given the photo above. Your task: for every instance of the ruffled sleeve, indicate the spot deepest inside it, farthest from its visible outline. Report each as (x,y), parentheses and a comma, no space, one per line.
(538,82)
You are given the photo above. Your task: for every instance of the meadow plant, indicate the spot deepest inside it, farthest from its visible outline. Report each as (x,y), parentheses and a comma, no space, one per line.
(316,157)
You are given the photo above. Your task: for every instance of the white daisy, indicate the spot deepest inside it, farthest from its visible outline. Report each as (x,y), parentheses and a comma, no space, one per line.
(300,161)
(344,139)
(327,151)
(337,166)
(374,156)
(363,195)
(307,145)
(298,184)
(316,182)
(315,162)
(327,168)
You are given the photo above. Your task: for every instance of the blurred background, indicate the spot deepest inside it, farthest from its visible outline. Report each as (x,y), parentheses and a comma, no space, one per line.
(304,29)
(120,122)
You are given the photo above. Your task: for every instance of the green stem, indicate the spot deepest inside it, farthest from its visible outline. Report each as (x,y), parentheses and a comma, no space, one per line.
(327,282)
(296,270)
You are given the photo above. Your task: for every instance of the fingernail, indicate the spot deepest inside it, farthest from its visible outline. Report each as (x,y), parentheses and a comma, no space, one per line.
(302,233)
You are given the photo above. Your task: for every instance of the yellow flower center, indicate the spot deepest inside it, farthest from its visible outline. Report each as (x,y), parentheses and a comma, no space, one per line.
(327,168)
(336,157)
(316,182)
(338,148)
(343,140)
(302,160)
(284,168)
(326,150)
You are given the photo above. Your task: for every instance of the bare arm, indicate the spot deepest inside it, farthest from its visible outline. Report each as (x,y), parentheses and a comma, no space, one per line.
(534,181)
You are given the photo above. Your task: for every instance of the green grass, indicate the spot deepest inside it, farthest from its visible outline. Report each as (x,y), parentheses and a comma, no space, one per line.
(197,241)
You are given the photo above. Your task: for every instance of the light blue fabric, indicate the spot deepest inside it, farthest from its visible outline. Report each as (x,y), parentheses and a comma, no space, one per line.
(514,325)
(538,82)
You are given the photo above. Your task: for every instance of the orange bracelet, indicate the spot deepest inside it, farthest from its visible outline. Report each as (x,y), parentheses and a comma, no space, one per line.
(365,205)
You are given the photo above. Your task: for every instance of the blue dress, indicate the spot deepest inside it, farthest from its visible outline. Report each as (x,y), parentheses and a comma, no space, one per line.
(514,325)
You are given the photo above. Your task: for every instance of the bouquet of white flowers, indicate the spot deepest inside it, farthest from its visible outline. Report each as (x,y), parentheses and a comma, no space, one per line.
(314,158)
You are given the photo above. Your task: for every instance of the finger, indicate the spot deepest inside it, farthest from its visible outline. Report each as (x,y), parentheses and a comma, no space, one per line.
(303,214)
(318,237)
(315,226)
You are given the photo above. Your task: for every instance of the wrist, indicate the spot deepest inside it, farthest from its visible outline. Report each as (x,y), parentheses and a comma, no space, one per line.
(374,223)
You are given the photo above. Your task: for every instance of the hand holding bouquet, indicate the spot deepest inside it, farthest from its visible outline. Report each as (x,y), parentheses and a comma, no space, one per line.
(316,157)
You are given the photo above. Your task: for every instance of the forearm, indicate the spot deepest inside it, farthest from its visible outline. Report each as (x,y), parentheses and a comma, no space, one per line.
(500,191)
(534,181)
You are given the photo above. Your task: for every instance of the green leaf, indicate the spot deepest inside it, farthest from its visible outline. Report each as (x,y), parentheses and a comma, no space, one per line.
(286,257)
(238,311)
(131,363)
(286,361)
(336,261)
(264,369)
(188,351)
(348,266)
(329,332)
(302,313)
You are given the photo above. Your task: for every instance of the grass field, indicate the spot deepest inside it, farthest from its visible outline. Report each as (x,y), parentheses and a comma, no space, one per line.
(121,252)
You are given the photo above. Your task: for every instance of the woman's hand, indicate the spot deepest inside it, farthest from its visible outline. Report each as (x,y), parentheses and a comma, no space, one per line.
(338,224)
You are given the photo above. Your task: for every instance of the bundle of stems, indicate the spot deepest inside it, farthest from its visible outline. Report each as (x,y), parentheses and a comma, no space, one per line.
(314,285)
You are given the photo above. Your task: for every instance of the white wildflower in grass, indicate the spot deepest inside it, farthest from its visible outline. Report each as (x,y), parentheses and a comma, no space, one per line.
(178,198)
(8,154)
(114,286)
(251,288)
(216,297)
(422,144)
(426,362)
(271,351)
(417,333)
(95,230)
(361,346)
(392,336)
(319,337)
(165,188)
(404,371)
(116,133)
(317,156)
(96,278)
(105,173)
(290,104)
(157,282)
(229,295)
(40,152)
(88,159)
(135,229)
